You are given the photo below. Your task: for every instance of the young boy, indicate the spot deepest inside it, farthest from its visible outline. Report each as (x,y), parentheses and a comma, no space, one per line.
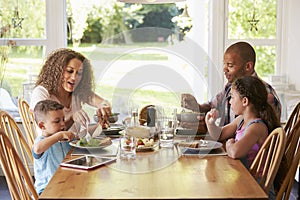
(51,147)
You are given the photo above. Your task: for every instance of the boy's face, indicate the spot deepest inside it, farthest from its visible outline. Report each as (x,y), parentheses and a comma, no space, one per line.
(54,122)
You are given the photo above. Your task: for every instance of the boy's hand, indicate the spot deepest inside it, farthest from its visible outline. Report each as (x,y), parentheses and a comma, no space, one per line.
(66,136)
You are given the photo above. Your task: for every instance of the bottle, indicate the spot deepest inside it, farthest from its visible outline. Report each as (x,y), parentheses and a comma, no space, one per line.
(134,117)
(151,115)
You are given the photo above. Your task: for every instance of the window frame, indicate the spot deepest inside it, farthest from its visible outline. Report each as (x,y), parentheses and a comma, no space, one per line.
(260,42)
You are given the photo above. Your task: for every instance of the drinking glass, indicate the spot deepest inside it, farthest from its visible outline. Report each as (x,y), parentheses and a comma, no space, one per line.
(167,131)
(128,147)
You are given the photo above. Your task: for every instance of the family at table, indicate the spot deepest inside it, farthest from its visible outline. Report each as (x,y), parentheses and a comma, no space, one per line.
(248,107)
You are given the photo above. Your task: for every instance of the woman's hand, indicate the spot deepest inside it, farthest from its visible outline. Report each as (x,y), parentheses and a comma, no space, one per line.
(81,118)
(103,113)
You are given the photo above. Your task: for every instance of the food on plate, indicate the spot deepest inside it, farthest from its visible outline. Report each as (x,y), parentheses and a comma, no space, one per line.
(192,144)
(94,142)
(144,142)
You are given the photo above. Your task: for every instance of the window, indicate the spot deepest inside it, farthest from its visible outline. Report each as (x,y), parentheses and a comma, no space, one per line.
(258,22)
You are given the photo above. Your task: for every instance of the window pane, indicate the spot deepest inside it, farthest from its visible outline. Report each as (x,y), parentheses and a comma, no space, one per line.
(26,19)
(24,63)
(265,60)
(243,13)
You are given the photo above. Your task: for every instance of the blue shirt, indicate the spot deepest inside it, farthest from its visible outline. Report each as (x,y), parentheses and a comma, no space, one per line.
(45,164)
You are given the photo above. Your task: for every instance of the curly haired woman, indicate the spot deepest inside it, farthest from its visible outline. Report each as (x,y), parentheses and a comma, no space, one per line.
(67,78)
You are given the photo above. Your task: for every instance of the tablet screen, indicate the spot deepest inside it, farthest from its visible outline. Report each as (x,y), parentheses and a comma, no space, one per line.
(87,162)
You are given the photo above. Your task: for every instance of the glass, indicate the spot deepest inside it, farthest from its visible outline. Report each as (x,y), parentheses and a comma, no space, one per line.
(167,133)
(128,147)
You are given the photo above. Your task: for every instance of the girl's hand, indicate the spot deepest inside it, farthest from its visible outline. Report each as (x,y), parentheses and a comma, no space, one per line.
(211,116)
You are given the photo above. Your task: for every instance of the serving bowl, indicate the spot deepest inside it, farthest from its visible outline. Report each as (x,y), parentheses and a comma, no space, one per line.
(113,118)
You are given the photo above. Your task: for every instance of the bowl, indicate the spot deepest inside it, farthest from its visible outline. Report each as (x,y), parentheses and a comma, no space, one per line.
(138,131)
(189,116)
(113,118)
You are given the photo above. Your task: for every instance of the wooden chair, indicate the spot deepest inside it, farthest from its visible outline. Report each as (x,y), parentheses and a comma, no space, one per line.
(267,161)
(17,138)
(293,118)
(286,187)
(27,120)
(18,180)
(289,155)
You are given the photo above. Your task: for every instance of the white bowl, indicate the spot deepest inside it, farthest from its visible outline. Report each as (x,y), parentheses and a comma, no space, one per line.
(138,131)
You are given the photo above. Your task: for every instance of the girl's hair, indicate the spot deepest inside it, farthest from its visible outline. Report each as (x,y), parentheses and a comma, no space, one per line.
(42,108)
(52,71)
(255,90)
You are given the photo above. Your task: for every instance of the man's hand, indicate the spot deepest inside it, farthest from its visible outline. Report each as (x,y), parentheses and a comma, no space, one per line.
(189,101)
(199,126)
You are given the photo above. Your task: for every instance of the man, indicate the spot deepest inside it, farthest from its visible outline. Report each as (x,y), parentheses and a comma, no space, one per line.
(239,60)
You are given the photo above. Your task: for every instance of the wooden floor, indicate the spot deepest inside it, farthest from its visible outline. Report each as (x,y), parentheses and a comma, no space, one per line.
(4,192)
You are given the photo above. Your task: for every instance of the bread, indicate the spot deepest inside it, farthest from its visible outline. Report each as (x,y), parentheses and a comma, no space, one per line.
(105,141)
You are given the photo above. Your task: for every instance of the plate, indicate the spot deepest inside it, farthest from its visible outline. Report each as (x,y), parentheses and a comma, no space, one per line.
(74,144)
(205,145)
(114,129)
(143,148)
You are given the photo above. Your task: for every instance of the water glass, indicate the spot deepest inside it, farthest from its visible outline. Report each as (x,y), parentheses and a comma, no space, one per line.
(166,137)
(167,132)
(128,147)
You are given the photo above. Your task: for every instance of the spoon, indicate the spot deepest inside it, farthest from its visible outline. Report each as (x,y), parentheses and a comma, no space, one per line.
(87,135)
(97,131)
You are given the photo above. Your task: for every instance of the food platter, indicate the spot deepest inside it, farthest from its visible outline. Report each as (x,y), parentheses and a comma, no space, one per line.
(203,145)
(146,148)
(75,143)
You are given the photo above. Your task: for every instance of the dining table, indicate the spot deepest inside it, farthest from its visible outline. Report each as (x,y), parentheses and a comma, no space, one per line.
(162,173)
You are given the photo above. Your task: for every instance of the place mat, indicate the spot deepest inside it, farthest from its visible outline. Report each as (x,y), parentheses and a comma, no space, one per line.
(213,152)
(111,150)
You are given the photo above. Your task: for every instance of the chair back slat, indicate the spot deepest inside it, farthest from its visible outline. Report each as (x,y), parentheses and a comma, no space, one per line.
(293,118)
(19,181)
(17,138)
(286,187)
(292,129)
(27,118)
(268,158)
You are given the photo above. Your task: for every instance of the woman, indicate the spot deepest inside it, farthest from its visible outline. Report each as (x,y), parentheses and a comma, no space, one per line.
(67,78)
(256,119)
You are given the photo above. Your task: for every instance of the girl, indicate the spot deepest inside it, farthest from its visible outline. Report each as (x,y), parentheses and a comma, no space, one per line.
(256,119)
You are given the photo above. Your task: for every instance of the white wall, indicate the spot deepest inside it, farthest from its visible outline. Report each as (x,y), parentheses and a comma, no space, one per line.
(291,41)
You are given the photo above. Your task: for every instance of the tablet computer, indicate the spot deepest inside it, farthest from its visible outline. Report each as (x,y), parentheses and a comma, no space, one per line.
(87,162)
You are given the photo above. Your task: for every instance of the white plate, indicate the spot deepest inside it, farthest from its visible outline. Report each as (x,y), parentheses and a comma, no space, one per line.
(206,145)
(74,144)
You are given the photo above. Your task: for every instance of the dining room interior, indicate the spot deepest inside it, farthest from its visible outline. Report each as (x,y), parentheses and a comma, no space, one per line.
(147,53)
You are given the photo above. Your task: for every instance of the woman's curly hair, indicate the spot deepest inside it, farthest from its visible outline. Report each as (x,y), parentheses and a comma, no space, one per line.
(52,71)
